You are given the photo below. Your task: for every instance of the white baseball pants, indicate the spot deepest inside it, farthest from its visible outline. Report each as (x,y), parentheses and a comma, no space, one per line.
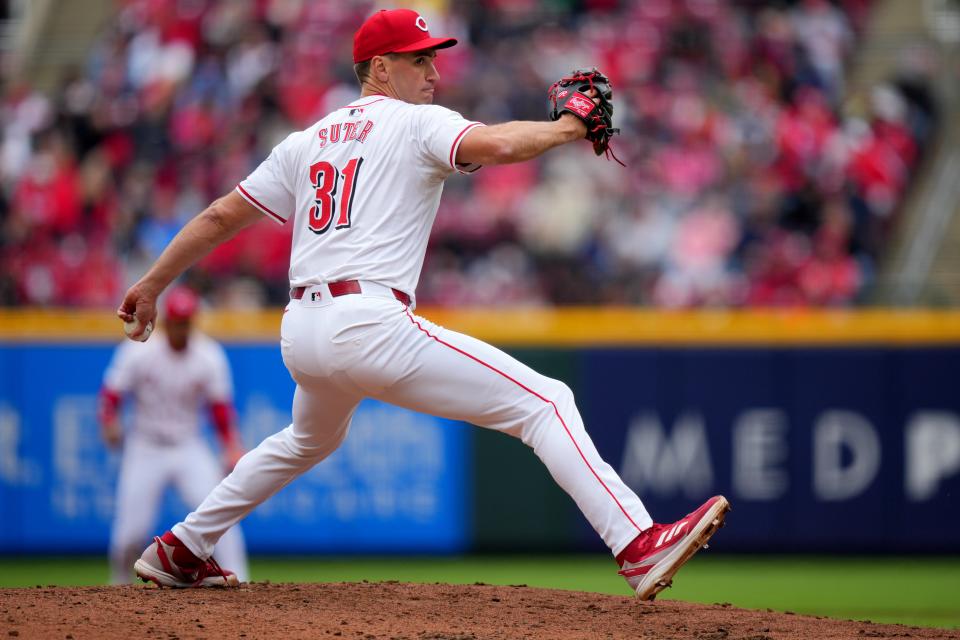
(146,470)
(340,350)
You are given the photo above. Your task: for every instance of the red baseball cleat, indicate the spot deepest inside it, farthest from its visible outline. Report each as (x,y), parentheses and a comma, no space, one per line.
(169,563)
(649,562)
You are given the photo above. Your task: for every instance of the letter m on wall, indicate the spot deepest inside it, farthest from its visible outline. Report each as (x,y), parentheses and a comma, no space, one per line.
(668,464)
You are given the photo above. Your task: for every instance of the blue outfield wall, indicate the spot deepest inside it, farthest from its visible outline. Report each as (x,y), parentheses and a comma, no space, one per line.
(820,449)
(397,484)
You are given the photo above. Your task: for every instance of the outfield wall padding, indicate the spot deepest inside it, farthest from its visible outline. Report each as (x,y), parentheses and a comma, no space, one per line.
(828,432)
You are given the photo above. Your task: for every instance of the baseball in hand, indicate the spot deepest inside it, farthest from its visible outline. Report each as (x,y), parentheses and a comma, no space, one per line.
(130,327)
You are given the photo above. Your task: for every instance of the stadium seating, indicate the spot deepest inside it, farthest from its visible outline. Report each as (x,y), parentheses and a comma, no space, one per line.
(750,181)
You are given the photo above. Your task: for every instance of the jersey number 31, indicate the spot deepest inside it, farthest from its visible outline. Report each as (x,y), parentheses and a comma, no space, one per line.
(333,200)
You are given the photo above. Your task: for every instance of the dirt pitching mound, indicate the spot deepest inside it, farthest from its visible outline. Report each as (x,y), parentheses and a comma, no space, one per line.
(391,610)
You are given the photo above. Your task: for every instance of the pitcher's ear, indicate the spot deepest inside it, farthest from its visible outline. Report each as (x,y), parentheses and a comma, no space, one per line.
(378,68)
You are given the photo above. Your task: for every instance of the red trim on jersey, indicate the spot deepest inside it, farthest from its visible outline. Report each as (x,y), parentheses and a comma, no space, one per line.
(456,143)
(378,96)
(249,198)
(537,395)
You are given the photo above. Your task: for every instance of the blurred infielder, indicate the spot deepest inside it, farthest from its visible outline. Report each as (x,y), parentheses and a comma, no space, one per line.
(362,187)
(171,381)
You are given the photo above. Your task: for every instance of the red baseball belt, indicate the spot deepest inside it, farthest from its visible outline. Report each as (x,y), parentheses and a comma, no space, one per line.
(346,288)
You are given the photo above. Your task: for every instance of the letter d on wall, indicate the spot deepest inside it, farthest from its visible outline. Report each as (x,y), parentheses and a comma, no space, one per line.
(834,432)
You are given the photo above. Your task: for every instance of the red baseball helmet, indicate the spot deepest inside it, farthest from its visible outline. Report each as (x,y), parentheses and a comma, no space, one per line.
(394,31)
(181,304)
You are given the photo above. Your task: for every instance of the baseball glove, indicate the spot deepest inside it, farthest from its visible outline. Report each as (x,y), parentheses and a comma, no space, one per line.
(572,94)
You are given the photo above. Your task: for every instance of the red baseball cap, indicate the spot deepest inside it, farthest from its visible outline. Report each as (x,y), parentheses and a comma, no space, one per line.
(394,31)
(181,304)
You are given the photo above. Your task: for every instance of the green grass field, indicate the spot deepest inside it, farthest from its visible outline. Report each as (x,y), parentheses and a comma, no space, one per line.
(922,591)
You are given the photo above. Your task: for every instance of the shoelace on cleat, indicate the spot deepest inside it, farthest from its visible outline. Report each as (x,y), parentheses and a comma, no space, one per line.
(210,568)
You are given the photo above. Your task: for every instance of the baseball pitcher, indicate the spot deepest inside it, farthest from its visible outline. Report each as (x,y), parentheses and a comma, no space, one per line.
(361,188)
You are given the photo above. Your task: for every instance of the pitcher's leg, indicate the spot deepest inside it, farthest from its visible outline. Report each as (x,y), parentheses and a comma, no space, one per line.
(456,376)
(198,473)
(321,418)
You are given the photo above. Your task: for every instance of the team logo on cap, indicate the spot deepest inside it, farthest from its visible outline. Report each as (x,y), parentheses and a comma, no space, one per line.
(421,24)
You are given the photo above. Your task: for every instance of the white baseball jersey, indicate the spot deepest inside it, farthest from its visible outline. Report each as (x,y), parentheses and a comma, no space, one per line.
(321,176)
(170,388)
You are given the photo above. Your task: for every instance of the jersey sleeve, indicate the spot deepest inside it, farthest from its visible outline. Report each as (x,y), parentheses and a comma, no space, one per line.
(439,132)
(269,187)
(120,375)
(219,382)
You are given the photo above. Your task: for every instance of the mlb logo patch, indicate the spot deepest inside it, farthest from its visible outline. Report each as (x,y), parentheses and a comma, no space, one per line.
(356,111)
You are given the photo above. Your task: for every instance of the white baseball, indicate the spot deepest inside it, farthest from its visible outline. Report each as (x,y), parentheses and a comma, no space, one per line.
(130,327)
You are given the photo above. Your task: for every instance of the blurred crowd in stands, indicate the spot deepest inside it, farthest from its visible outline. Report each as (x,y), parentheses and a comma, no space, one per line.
(752,176)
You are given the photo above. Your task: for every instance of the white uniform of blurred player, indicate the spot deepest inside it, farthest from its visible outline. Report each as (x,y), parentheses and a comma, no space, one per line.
(171,381)
(362,187)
